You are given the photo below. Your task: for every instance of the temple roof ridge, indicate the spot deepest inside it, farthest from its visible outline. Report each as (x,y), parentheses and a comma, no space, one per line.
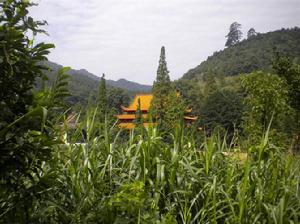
(145,101)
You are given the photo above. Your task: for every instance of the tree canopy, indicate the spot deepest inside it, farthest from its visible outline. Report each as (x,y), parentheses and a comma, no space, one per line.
(102,99)
(251,33)
(19,57)
(24,142)
(161,88)
(235,34)
(250,55)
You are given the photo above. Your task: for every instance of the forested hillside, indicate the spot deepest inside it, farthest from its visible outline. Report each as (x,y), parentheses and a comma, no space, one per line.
(84,84)
(251,54)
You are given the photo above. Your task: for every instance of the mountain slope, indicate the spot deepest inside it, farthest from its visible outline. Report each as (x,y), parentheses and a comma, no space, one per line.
(83,77)
(83,86)
(249,55)
(129,85)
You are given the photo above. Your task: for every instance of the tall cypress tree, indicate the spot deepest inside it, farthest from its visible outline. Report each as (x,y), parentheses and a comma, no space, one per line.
(162,70)
(139,118)
(161,89)
(102,99)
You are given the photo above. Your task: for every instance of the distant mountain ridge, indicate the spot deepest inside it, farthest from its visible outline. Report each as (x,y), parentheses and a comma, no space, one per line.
(80,75)
(129,85)
(249,55)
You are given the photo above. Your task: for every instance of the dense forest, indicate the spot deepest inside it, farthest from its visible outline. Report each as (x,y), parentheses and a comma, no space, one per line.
(83,85)
(251,54)
(64,159)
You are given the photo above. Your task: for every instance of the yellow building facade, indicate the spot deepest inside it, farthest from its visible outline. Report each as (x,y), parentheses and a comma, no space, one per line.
(126,119)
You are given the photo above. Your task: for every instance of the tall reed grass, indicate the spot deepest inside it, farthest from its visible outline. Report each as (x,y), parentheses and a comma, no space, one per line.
(144,179)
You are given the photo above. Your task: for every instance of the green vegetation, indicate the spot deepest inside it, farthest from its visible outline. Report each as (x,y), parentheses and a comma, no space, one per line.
(161,89)
(167,106)
(251,33)
(267,99)
(84,89)
(238,164)
(223,108)
(146,180)
(83,84)
(102,100)
(252,54)
(235,34)
(24,144)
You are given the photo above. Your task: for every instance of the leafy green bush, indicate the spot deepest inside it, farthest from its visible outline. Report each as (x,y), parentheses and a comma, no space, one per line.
(266,101)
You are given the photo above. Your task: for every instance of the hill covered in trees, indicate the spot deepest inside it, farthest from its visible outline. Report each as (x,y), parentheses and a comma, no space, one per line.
(83,81)
(83,84)
(251,54)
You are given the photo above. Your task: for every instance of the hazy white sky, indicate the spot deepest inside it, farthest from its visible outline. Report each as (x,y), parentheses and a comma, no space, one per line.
(122,38)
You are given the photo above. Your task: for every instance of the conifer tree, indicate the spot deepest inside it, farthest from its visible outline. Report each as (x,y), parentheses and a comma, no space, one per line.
(251,33)
(161,89)
(102,99)
(139,118)
(162,71)
(235,34)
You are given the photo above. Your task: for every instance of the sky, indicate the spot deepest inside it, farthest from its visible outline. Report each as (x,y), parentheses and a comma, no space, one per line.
(122,38)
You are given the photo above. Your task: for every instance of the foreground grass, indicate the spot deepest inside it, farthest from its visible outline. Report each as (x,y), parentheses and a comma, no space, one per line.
(145,180)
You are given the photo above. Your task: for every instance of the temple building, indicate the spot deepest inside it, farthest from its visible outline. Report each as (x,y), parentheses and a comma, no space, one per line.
(127,118)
